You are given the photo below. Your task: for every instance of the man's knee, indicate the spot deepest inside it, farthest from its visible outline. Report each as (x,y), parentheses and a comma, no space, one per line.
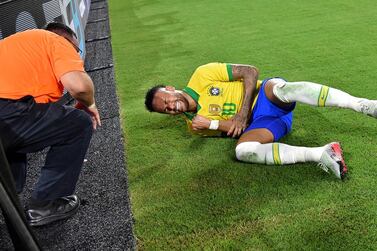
(276,90)
(247,152)
(83,121)
(279,89)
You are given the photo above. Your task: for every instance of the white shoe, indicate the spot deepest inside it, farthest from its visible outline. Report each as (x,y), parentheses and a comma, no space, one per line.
(368,107)
(332,159)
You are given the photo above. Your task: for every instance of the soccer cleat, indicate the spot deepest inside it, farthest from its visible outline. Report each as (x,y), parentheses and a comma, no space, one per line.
(332,159)
(368,107)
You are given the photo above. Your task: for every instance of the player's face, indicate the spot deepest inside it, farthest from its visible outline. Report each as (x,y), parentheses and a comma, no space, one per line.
(170,101)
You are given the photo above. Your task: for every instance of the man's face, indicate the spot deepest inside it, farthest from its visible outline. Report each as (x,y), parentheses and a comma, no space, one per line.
(170,101)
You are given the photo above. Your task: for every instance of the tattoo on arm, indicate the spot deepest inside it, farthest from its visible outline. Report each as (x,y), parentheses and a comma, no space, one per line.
(241,71)
(249,75)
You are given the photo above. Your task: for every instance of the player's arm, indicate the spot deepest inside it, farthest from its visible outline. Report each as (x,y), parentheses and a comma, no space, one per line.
(81,88)
(202,123)
(249,75)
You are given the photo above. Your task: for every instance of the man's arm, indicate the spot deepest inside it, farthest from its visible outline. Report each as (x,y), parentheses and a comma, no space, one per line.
(81,88)
(249,75)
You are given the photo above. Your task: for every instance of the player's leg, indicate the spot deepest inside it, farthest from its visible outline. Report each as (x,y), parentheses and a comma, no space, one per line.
(258,146)
(282,92)
(271,121)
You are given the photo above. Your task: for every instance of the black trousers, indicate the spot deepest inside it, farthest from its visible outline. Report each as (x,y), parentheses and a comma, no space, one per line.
(26,126)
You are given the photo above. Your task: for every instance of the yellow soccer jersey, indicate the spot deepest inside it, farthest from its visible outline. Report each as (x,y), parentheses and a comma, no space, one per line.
(217,95)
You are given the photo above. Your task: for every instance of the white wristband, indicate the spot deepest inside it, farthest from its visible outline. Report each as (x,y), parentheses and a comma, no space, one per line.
(214,125)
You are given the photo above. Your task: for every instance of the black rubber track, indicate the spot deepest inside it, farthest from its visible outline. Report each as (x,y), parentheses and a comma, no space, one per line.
(104,220)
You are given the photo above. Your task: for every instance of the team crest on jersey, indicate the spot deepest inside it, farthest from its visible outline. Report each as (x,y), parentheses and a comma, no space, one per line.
(214,109)
(214,91)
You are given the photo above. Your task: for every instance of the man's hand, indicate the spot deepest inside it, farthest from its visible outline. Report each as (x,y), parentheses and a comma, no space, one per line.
(233,127)
(239,124)
(92,111)
(200,123)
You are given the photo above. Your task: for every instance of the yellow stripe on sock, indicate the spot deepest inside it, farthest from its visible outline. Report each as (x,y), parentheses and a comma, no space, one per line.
(276,155)
(323,95)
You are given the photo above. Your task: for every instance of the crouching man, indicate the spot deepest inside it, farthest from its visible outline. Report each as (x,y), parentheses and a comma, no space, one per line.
(35,67)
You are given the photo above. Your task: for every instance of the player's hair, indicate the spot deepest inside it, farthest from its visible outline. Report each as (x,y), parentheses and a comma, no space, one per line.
(150,96)
(60,29)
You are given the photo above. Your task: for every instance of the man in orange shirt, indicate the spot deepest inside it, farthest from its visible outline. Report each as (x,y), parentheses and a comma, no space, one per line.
(35,67)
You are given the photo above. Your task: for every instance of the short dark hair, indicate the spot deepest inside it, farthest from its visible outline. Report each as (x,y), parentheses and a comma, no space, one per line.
(150,96)
(60,28)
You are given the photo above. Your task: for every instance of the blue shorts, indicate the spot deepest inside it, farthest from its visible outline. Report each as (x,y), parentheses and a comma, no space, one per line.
(267,115)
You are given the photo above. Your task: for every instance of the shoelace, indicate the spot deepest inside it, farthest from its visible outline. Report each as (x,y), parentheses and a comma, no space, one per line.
(323,167)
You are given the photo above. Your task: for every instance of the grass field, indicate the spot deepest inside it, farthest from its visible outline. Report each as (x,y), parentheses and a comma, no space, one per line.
(189,192)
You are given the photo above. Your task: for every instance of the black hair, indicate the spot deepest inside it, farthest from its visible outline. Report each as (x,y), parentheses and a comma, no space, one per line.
(149,96)
(60,29)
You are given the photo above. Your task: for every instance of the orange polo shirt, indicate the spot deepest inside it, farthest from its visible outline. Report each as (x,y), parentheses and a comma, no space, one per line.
(32,63)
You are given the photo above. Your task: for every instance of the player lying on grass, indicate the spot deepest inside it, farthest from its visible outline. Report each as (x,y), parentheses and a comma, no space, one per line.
(229,99)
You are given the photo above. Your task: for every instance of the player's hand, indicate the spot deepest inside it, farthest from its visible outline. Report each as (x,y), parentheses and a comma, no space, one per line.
(200,123)
(93,112)
(239,124)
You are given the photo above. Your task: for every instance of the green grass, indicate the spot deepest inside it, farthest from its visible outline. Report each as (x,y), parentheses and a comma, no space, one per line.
(189,192)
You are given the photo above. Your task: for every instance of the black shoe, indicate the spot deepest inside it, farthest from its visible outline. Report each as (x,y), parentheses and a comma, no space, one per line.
(58,209)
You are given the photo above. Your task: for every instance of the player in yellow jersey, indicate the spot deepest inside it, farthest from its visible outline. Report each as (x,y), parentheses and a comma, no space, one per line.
(220,97)
(229,99)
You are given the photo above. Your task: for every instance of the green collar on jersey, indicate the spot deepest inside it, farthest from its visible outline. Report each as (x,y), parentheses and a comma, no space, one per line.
(195,96)
(229,70)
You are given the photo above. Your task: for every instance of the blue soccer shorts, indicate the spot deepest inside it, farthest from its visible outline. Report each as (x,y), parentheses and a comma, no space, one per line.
(266,114)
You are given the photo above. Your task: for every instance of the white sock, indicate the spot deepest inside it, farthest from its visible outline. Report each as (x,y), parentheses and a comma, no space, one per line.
(277,153)
(316,95)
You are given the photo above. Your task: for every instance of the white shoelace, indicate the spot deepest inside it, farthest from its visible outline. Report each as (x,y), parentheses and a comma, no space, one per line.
(323,167)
